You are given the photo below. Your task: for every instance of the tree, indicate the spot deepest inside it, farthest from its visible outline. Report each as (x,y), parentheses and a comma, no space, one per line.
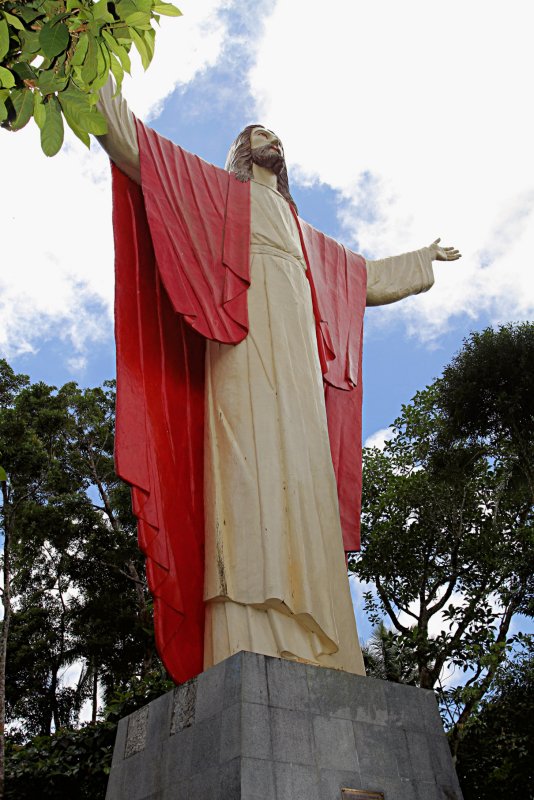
(447,517)
(487,400)
(78,43)
(76,763)
(74,591)
(496,754)
(386,658)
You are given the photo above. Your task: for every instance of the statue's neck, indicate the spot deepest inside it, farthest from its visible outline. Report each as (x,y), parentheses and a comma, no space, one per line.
(265,176)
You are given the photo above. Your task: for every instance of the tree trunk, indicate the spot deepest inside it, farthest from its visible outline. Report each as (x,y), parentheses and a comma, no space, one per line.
(54,711)
(95,694)
(144,613)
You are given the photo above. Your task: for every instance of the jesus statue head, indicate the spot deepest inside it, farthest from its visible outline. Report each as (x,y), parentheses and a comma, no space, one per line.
(258,145)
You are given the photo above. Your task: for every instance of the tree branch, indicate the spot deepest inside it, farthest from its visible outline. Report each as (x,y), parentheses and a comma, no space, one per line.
(389,608)
(459,727)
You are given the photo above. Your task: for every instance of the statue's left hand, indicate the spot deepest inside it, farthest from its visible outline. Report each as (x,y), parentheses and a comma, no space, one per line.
(443,253)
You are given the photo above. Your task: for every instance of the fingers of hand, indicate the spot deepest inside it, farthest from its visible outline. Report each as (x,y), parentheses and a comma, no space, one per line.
(444,253)
(450,253)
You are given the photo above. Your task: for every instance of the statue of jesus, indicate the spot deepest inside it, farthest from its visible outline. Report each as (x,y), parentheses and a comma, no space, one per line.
(239,397)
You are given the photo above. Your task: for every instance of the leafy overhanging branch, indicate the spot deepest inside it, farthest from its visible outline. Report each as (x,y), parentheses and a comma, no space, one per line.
(55,56)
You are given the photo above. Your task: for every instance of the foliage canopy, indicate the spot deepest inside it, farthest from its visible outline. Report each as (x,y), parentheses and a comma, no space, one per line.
(74,593)
(76,588)
(76,763)
(496,755)
(448,518)
(55,56)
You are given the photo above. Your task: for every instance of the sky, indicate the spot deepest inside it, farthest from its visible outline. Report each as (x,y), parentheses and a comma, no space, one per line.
(401,122)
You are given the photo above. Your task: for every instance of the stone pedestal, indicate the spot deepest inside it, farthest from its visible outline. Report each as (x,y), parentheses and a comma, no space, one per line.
(260,728)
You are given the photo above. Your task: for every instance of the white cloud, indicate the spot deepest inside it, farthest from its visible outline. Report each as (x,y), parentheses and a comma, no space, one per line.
(57,254)
(70,678)
(416,114)
(184,47)
(438,623)
(379,438)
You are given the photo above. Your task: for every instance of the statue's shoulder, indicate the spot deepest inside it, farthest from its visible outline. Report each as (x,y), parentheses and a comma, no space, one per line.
(168,155)
(327,250)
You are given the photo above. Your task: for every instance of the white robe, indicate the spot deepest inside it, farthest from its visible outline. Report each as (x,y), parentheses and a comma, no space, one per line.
(275,576)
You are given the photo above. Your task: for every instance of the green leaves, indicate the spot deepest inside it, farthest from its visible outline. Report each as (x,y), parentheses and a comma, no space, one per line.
(23,103)
(90,63)
(4,95)
(141,46)
(100,11)
(4,37)
(39,113)
(73,556)
(80,51)
(30,44)
(118,50)
(7,79)
(117,70)
(78,110)
(52,131)
(24,71)
(54,38)
(3,476)
(50,81)
(13,21)
(167,9)
(447,522)
(78,44)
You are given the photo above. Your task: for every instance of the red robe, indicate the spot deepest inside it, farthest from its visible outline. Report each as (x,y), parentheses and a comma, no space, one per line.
(182,272)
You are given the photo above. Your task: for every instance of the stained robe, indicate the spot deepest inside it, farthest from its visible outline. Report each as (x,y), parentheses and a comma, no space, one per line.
(278,587)
(275,577)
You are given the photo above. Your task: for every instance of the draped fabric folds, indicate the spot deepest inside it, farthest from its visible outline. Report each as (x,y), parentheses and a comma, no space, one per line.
(182,271)
(338,280)
(159,435)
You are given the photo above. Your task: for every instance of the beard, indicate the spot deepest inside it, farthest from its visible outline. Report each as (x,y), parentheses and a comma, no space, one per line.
(268,158)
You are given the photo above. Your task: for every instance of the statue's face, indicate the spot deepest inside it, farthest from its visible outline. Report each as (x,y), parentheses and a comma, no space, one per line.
(261,137)
(266,150)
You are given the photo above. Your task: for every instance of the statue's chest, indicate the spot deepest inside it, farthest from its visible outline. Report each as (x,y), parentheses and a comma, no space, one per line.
(271,222)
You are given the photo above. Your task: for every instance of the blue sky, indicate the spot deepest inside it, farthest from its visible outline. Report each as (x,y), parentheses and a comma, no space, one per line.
(401,122)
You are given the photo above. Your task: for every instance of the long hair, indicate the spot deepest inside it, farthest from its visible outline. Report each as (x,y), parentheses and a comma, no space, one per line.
(239,162)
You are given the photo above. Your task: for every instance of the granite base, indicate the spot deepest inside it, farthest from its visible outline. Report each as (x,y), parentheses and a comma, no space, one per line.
(261,728)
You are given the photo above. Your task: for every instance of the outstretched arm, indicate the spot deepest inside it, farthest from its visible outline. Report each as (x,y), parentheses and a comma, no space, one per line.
(120,142)
(392,279)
